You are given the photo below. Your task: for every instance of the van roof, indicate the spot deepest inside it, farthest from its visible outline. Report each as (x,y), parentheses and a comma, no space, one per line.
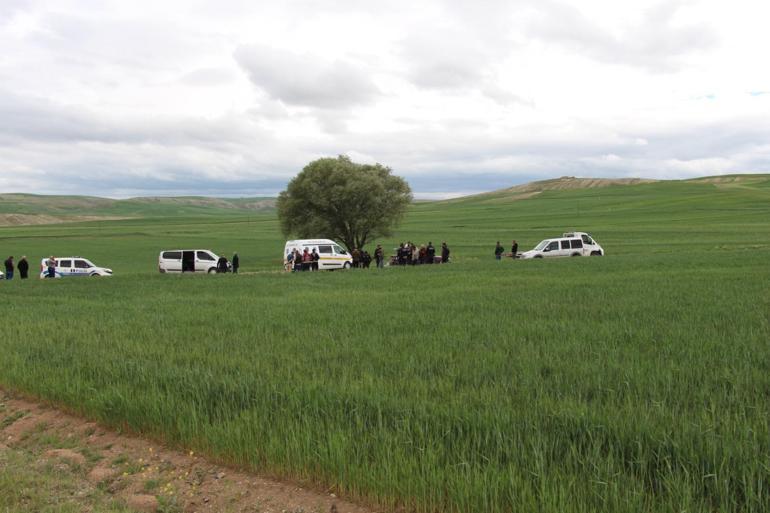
(309,241)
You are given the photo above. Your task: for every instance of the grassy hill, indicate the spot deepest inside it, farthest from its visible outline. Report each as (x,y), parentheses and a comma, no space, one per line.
(18,209)
(637,381)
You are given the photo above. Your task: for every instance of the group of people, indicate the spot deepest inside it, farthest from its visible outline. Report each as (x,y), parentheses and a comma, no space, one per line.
(304,260)
(500,251)
(22,266)
(361,258)
(409,254)
(223,266)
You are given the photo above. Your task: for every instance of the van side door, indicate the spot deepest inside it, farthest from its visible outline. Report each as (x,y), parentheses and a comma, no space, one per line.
(204,261)
(81,268)
(327,257)
(64,267)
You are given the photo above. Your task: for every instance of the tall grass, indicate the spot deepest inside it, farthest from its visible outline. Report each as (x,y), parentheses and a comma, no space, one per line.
(635,382)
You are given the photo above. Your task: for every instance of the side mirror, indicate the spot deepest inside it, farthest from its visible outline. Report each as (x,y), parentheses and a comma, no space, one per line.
(546,250)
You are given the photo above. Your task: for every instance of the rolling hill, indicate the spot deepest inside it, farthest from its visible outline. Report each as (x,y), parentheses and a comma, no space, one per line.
(24,209)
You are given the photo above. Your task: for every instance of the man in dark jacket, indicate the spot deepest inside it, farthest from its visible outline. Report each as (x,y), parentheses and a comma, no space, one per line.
(23,267)
(315,260)
(9,268)
(379,256)
(514,249)
(430,254)
(444,253)
(236,263)
(222,265)
(499,251)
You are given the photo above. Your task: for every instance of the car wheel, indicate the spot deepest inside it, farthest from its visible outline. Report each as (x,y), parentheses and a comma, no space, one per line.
(575,254)
(596,253)
(96,275)
(212,270)
(538,256)
(346,266)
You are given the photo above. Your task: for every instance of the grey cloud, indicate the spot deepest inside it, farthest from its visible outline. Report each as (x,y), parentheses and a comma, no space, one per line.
(655,43)
(444,59)
(39,119)
(303,80)
(504,96)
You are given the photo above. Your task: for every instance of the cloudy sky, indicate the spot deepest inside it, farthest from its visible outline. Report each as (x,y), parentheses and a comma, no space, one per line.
(167,97)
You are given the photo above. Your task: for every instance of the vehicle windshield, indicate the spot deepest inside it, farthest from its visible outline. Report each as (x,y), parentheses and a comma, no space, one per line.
(542,245)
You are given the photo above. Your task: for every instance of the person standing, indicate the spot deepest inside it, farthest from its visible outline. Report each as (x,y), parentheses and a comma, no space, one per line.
(514,249)
(499,251)
(236,263)
(297,260)
(379,257)
(9,268)
(444,253)
(222,265)
(51,266)
(430,253)
(23,267)
(316,258)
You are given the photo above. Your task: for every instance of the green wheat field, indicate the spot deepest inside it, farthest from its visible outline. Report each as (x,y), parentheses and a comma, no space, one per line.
(638,381)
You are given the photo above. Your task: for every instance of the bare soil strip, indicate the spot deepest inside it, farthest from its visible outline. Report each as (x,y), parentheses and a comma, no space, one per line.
(105,467)
(39,219)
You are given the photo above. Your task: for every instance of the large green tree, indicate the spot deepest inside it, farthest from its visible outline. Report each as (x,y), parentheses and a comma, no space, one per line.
(339,199)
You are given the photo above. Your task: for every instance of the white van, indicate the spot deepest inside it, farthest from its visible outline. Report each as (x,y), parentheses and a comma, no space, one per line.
(188,261)
(332,255)
(569,244)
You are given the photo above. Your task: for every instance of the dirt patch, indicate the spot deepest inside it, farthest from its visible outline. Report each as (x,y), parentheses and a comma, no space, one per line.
(37,219)
(143,475)
(66,454)
(145,503)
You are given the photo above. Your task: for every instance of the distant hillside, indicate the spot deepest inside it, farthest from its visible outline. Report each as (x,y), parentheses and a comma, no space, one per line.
(528,190)
(19,209)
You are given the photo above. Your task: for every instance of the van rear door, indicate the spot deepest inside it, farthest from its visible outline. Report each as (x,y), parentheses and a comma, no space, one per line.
(172,261)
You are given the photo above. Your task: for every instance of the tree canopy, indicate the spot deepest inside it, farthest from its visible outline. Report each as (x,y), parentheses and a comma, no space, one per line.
(342,200)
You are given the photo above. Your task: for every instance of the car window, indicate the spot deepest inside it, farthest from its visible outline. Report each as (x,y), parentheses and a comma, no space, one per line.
(587,239)
(202,255)
(64,263)
(339,250)
(576,243)
(325,250)
(172,255)
(553,246)
(81,264)
(541,246)
(565,244)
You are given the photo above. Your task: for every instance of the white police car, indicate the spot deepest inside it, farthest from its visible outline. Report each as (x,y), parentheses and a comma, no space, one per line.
(568,245)
(73,266)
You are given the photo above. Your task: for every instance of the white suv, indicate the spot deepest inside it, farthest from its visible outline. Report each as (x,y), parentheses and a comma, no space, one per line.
(73,266)
(569,244)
